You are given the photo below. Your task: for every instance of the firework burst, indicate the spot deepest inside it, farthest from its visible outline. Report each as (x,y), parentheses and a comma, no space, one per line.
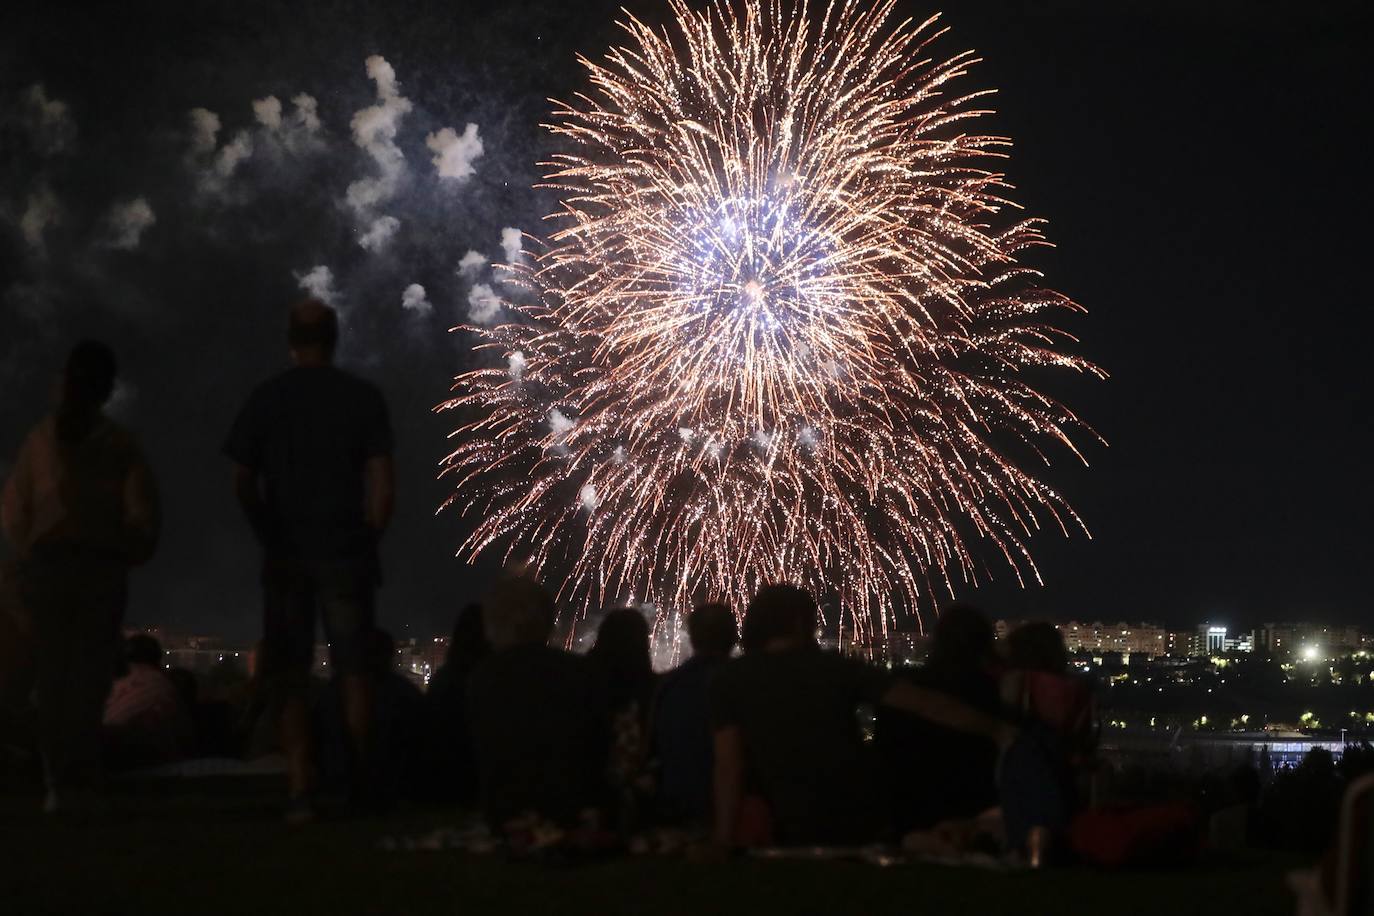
(780,331)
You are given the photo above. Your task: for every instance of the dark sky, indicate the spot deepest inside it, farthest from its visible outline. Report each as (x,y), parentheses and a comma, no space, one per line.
(1204,175)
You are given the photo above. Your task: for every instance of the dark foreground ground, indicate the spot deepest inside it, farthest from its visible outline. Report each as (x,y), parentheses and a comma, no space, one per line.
(199,847)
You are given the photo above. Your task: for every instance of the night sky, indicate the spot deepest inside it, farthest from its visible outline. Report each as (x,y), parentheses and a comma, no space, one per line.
(1203,174)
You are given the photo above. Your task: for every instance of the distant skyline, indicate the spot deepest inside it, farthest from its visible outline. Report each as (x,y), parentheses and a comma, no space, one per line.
(1195,167)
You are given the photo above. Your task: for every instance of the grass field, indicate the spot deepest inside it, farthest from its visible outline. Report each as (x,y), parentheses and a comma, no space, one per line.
(194,847)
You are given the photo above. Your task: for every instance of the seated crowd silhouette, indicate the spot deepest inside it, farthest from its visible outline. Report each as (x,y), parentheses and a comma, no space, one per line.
(758,738)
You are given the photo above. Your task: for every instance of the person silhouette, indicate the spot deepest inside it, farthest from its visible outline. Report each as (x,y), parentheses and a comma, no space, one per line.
(681,717)
(80,508)
(313,474)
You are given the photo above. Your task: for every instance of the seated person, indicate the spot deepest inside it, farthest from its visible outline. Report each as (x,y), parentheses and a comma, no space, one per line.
(452,768)
(1044,775)
(146,722)
(1038,687)
(623,661)
(786,729)
(936,773)
(682,719)
(536,714)
(397,731)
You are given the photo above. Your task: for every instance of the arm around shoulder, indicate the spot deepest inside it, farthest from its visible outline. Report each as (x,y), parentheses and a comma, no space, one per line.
(947,711)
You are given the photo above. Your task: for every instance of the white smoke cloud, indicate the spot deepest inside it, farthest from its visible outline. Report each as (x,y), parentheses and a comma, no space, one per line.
(510,247)
(374,131)
(214,167)
(384,75)
(517,365)
(49,120)
(454,153)
(299,133)
(43,210)
(204,131)
(307,113)
(511,239)
(559,424)
(483,304)
(232,154)
(686,434)
(318,281)
(764,439)
(588,498)
(128,221)
(268,112)
(379,233)
(413,300)
(809,438)
(470,265)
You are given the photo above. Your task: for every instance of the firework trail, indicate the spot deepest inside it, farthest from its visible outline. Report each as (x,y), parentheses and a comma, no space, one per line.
(779,332)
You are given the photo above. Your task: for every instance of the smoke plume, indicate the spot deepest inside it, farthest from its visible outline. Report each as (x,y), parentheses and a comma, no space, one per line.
(454,154)
(268,112)
(483,304)
(470,265)
(413,300)
(379,233)
(205,127)
(128,221)
(49,121)
(319,283)
(374,131)
(42,211)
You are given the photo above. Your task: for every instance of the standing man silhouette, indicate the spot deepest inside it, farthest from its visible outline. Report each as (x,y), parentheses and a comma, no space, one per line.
(313,473)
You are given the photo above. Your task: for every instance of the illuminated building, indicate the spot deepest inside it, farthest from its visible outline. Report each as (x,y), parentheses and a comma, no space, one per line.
(1148,640)
(1308,639)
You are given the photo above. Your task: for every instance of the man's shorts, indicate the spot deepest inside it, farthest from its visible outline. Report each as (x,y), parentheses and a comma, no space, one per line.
(295,593)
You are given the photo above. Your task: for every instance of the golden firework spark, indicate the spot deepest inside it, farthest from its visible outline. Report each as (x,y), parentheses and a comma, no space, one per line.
(779,333)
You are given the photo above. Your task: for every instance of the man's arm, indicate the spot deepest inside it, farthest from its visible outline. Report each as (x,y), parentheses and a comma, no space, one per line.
(728,783)
(142,511)
(946,711)
(381,492)
(251,501)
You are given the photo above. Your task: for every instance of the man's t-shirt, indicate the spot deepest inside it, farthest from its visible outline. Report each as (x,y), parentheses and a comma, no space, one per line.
(797,711)
(682,737)
(308,433)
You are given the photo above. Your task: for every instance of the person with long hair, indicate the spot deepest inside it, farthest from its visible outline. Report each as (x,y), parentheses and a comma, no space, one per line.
(622,658)
(453,769)
(80,509)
